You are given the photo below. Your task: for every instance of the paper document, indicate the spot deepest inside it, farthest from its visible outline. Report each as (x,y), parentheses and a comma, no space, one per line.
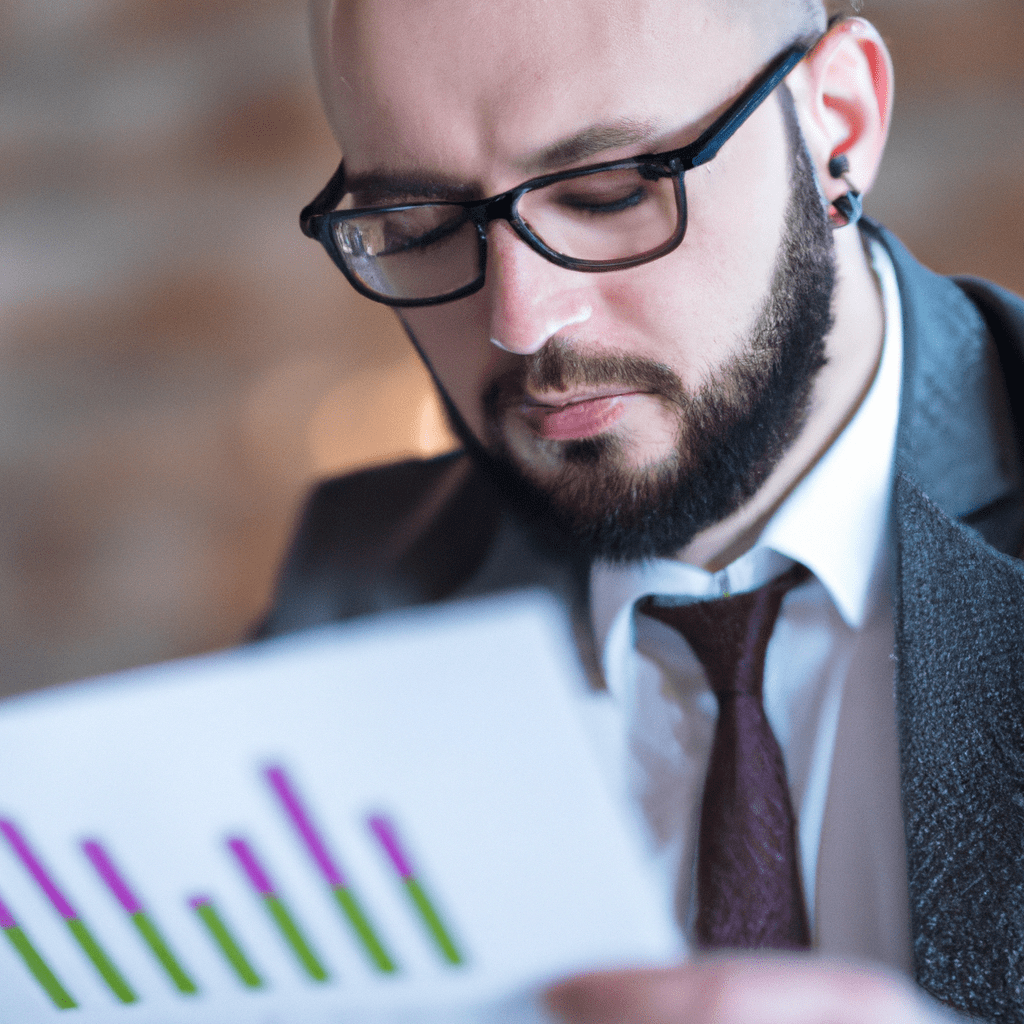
(398,819)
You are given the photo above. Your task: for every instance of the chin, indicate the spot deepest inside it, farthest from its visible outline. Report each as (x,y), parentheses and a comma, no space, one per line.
(627,452)
(596,476)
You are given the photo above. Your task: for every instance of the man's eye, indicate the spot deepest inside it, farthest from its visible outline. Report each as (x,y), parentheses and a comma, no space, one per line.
(401,236)
(603,203)
(402,241)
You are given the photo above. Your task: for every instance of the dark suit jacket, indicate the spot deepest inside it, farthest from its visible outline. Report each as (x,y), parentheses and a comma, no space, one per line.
(424,531)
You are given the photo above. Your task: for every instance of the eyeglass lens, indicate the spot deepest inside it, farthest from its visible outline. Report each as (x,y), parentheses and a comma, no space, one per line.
(427,251)
(416,253)
(604,217)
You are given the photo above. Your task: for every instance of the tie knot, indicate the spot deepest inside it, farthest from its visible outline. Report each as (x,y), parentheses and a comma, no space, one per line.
(730,635)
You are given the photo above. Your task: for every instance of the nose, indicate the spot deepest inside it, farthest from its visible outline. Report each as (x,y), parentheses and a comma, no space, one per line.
(531,299)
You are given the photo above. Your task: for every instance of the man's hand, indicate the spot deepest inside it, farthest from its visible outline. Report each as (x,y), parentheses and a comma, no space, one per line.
(767,989)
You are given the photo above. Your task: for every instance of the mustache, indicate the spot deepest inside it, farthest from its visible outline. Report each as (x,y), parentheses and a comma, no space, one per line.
(559,367)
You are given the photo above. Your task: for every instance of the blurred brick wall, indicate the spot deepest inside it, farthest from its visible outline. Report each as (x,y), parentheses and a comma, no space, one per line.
(952,183)
(177,363)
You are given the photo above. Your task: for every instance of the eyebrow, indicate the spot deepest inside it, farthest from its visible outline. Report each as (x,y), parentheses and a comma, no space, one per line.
(383,186)
(598,138)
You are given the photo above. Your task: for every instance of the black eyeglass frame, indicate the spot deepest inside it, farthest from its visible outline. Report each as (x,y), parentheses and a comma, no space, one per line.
(318,218)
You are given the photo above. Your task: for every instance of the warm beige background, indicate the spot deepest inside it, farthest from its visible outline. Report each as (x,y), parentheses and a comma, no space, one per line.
(177,363)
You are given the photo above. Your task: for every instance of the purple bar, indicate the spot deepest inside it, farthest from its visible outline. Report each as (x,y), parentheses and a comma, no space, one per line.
(277,778)
(6,917)
(117,885)
(252,866)
(385,832)
(37,870)
(199,901)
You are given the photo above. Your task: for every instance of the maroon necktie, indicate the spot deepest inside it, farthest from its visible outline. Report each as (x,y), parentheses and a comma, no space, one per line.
(748,879)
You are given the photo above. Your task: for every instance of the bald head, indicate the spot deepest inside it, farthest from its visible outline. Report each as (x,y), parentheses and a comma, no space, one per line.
(345,32)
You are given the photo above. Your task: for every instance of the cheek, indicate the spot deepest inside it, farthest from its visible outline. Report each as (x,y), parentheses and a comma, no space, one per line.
(453,339)
(737,215)
(696,307)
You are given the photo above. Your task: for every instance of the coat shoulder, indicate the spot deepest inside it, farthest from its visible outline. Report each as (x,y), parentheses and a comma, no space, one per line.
(387,537)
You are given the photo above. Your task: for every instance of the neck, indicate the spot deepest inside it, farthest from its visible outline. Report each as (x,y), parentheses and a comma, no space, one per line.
(853,348)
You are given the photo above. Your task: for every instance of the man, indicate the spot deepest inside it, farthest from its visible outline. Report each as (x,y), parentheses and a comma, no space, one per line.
(677,377)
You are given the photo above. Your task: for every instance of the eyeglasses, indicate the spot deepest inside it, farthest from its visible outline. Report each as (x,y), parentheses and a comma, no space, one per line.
(607,216)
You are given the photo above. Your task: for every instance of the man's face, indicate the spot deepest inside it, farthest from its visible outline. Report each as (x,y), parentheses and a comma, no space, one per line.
(600,392)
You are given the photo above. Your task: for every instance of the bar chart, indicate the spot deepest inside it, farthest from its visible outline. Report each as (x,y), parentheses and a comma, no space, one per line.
(338,884)
(291,933)
(215,920)
(393,821)
(34,963)
(78,928)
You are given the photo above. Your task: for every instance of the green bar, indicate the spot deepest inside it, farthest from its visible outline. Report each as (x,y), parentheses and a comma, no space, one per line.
(40,971)
(294,938)
(433,922)
(354,912)
(228,946)
(152,937)
(94,951)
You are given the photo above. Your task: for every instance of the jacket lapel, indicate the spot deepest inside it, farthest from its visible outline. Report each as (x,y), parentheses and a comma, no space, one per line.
(959,623)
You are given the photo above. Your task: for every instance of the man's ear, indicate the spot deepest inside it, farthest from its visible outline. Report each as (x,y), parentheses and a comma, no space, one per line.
(843,94)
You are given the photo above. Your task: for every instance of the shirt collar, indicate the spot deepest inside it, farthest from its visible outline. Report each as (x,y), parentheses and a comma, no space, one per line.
(851,482)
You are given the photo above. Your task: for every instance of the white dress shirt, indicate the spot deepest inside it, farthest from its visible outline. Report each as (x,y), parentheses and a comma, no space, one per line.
(828,684)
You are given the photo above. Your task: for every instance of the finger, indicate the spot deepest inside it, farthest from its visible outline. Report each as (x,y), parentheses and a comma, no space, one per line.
(613,997)
(781,989)
(744,990)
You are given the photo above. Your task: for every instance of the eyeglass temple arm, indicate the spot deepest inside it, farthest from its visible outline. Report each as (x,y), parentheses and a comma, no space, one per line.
(708,145)
(326,200)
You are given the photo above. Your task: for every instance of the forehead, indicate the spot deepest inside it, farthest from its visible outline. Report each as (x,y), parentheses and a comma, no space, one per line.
(475,87)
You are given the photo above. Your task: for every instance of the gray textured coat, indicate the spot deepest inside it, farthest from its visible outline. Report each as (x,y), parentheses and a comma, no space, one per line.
(424,531)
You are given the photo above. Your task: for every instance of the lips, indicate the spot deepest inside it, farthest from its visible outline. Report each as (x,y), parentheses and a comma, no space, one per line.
(575,418)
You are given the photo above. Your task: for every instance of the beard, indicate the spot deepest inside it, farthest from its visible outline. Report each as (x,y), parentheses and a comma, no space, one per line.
(731,432)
